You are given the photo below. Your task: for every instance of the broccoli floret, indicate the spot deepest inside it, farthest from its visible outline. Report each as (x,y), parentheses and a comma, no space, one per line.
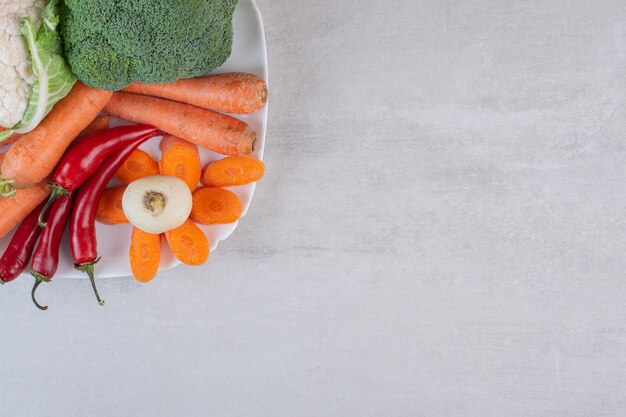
(110,44)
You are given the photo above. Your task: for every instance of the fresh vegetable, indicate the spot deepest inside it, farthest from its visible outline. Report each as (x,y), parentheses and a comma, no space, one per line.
(98,125)
(17,255)
(157,204)
(80,162)
(110,209)
(14,209)
(16,78)
(215,206)
(53,77)
(232,171)
(83,221)
(139,164)
(144,254)
(180,159)
(217,132)
(46,255)
(110,44)
(32,158)
(237,92)
(189,244)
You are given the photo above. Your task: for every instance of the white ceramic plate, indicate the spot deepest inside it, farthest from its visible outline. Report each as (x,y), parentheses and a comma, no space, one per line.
(248,55)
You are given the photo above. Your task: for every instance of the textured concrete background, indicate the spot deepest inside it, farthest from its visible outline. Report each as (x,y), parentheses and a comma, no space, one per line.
(442,232)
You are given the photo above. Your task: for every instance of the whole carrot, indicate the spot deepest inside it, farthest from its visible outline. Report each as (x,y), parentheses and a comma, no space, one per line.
(33,157)
(236,92)
(217,132)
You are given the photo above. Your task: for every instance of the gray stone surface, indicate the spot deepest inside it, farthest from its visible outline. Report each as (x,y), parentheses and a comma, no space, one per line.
(442,232)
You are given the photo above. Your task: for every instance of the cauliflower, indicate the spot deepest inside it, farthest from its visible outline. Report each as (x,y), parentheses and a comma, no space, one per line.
(16,78)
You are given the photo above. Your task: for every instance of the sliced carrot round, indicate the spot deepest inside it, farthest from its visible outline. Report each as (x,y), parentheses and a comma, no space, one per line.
(110,209)
(215,206)
(145,254)
(232,171)
(139,164)
(189,244)
(180,159)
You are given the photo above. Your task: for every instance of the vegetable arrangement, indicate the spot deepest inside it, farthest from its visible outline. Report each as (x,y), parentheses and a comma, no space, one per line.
(64,151)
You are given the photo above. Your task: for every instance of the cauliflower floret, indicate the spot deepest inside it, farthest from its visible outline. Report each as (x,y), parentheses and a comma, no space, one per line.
(16,79)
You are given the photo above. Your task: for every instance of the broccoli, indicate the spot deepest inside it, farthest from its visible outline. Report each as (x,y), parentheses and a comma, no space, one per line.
(110,44)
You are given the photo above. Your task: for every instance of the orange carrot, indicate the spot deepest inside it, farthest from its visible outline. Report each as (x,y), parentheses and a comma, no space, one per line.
(110,209)
(14,209)
(144,254)
(189,244)
(34,156)
(215,206)
(236,92)
(99,124)
(217,132)
(180,159)
(140,164)
(11,139)
(233,170)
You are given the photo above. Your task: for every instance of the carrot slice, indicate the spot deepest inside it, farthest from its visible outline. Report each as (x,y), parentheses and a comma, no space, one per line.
(110,209)
(139,164)
(215,206)
(233,170)
(234,92)
(144,254)
(215,131)
(189,244)
(180,159)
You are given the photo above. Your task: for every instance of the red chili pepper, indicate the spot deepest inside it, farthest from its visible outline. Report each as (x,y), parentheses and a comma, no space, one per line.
(46,256)
(17,255)
(83,221)
(85,158)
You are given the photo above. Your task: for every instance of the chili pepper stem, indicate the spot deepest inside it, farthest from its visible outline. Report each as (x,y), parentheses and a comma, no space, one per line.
(6,187)
(38,280)
(57,191)
(87,268)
